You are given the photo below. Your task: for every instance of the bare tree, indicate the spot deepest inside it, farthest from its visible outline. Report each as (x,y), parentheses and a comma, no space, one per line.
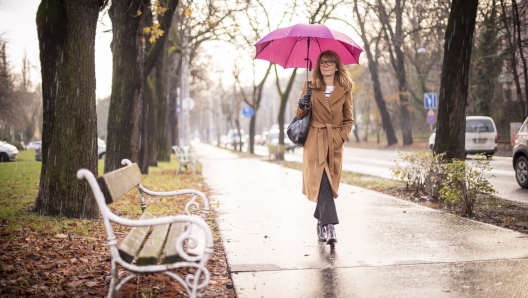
(67,53)
(450,133)
(371,47)
(392,23)
(248,39)
(127,84)
(512,18)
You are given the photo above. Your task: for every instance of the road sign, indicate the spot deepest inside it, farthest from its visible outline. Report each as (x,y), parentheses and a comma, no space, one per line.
(431,120)
(431,113)
(248,112)
(430,101)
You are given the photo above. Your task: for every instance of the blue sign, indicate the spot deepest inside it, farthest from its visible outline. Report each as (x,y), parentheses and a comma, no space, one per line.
(248,112)
(178,110)
(431,120)
(430,101)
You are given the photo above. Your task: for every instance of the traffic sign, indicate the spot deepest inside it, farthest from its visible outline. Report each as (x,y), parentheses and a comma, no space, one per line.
(431,120)
(431,113)
(248,112)
(430,101)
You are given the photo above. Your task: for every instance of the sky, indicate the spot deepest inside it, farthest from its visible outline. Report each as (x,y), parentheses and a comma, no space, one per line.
(18,28)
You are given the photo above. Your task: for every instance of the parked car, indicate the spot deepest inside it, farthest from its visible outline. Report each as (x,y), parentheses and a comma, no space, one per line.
(481,136)
(101,148)
(7,152)
(38,150)
(234,139)
(520,155)
(273,138)
(34,144)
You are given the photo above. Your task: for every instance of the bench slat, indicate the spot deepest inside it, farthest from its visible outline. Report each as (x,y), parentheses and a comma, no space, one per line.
(133,241)
(170,255)
(117,183)
(153,247)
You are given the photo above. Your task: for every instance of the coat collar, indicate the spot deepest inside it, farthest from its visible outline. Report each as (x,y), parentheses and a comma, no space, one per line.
(334,96)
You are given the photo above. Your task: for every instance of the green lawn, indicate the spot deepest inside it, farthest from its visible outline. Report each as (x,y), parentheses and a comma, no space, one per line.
(19,183)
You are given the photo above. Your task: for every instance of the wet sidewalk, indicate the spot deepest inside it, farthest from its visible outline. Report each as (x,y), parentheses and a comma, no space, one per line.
(387,247)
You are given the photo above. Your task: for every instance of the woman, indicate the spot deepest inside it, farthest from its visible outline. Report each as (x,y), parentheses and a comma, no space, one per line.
(331,105)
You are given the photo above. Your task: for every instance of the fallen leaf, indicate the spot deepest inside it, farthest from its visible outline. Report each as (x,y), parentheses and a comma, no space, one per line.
(75,283)
(61,236)
(91,284)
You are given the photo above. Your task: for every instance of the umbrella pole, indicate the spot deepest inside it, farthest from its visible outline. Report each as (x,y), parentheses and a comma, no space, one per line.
(307,59)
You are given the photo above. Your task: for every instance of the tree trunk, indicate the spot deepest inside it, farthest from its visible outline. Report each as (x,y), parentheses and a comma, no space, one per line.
(394,39)
(125,99)
(148,127)
(66,31)
(175,79)
(450,132)
(405,107)
(284,99)
(251,143)
(487,65)
(517,19)
(162,141)
(378,95)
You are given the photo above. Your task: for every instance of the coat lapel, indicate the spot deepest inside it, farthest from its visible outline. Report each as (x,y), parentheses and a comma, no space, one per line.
(335,95)
(320,96)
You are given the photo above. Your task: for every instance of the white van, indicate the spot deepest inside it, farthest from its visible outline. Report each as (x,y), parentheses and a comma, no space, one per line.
(481,136)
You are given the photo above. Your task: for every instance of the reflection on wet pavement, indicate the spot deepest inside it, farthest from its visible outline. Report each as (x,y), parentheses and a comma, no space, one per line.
(387,247)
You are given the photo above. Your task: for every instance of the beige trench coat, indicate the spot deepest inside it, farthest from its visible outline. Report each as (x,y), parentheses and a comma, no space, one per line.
(323,150)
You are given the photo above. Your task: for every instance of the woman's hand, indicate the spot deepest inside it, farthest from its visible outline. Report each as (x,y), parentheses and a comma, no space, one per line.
(305,101)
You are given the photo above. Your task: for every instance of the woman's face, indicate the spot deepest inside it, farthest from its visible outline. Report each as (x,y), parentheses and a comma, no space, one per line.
(327,66)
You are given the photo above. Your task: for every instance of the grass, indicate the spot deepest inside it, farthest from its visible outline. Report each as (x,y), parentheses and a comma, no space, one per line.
(360,180)
(17,195)
(61,257)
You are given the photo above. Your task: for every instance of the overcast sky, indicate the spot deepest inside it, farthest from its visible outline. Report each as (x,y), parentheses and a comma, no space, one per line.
(18,28)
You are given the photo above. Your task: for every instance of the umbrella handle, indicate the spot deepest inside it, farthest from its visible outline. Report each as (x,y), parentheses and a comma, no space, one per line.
(308,63)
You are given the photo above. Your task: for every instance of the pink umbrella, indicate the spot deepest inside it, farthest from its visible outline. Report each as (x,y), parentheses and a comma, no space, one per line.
(290,47)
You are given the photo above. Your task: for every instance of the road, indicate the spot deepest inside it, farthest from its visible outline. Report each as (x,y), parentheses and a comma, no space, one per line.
(378,162)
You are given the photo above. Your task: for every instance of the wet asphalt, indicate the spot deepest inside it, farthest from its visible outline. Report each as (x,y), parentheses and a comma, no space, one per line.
(386,247)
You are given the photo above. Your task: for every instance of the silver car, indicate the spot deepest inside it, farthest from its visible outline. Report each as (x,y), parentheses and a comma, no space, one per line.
(7,152)
(520,155)
(101,149)
(38,150)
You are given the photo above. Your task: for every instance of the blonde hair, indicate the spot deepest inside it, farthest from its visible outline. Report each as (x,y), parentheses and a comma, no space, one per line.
(341,76)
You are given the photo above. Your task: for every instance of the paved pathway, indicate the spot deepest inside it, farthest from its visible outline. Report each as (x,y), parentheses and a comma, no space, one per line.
(387,247)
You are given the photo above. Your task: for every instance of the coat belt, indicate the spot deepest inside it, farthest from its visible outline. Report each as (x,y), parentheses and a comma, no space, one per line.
(325,132)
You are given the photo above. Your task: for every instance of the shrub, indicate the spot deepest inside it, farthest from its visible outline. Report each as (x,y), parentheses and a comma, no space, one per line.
(463,182)
(420,170)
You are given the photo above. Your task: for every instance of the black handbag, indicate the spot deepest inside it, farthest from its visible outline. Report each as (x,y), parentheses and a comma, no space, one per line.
(298,129)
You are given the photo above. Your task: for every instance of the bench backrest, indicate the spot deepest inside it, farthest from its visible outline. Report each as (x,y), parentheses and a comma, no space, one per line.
(117,183)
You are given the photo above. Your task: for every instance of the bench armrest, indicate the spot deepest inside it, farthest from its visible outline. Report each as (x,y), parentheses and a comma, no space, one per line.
(192,202)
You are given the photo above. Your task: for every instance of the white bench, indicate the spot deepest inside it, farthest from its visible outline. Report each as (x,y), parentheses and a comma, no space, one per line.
(154,244)
(186,157)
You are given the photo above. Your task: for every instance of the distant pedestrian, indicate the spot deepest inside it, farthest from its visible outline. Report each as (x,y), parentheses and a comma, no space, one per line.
(331,105)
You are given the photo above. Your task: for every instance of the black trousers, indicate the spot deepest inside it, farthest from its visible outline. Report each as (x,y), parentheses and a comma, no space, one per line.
(325,211)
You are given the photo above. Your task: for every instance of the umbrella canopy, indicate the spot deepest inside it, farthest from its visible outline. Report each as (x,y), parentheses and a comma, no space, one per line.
(290,46)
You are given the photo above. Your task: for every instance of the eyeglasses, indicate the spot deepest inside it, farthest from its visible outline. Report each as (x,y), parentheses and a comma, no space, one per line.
(327,62)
